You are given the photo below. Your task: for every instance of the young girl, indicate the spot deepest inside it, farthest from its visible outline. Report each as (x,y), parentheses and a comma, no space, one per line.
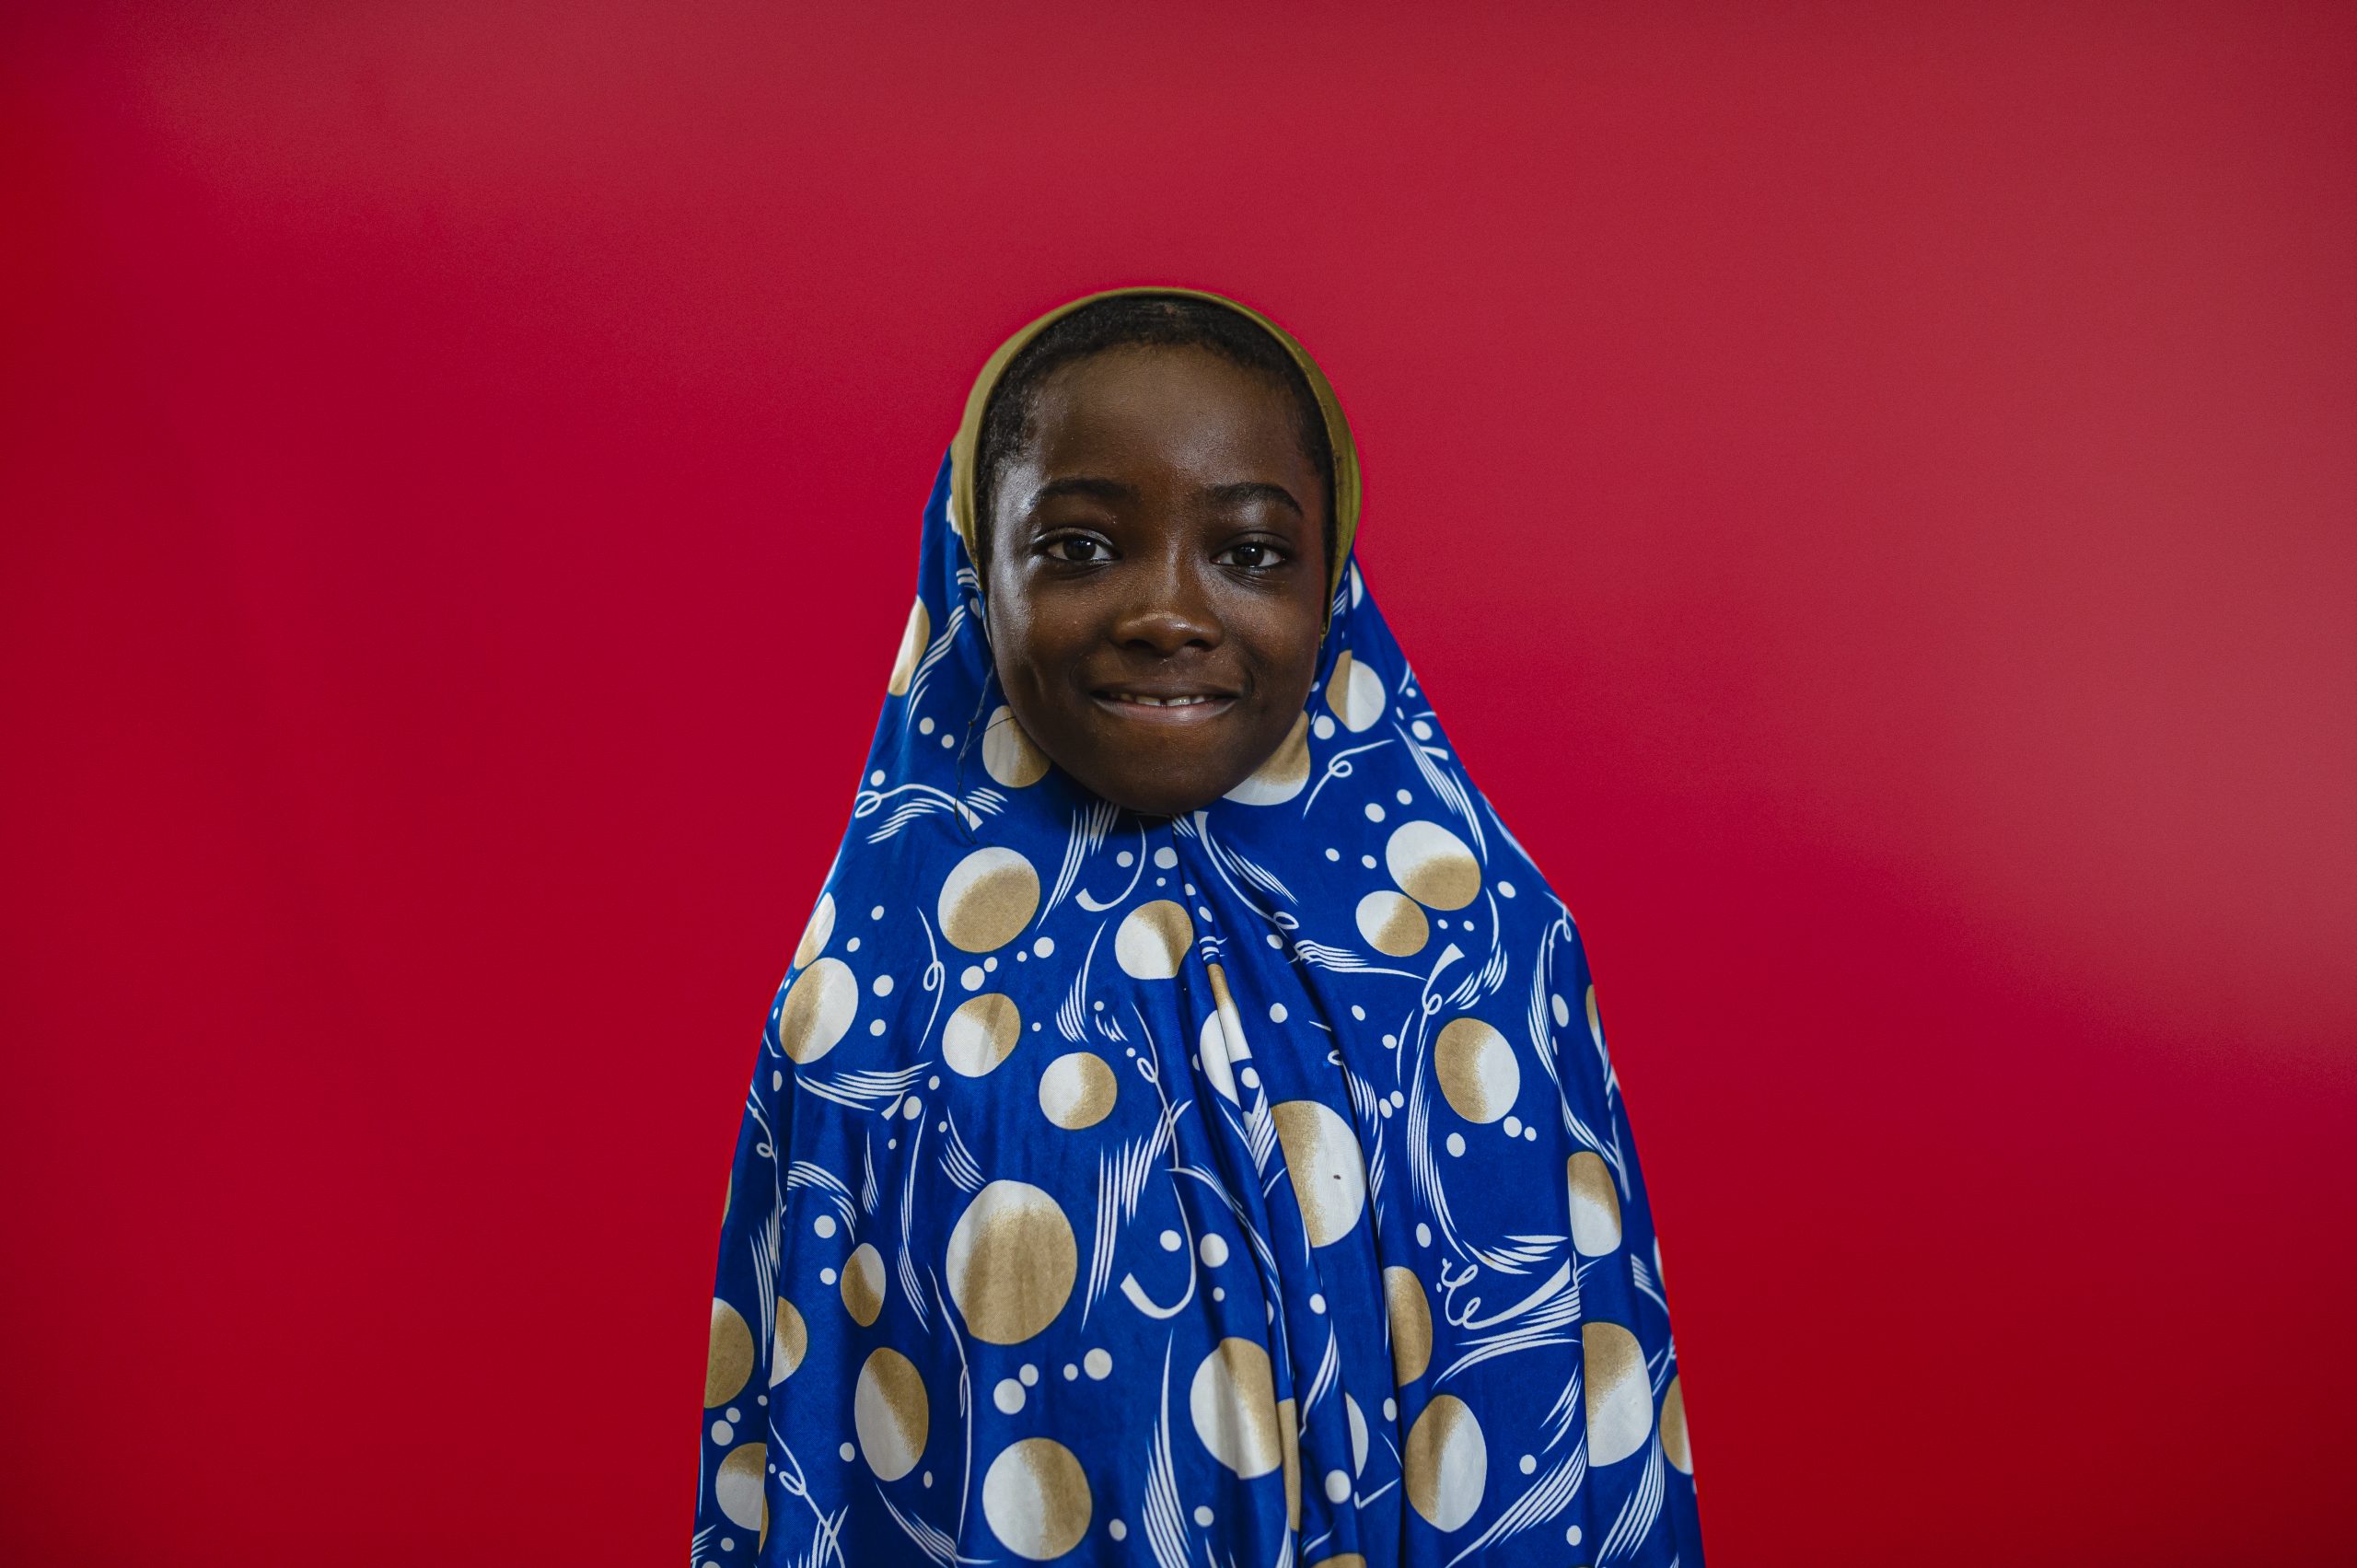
(1186,1135)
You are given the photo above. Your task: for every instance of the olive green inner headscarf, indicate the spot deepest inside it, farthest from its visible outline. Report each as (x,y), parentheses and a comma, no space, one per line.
(964,453)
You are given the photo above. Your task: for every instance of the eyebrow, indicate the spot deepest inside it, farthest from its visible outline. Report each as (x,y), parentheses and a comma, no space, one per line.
(1254,490)
(1094,489)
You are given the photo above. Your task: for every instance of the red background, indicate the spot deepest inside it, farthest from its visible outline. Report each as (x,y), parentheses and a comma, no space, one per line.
(1874,492)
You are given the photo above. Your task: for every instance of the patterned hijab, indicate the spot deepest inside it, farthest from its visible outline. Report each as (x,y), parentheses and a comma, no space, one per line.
(1251,1188)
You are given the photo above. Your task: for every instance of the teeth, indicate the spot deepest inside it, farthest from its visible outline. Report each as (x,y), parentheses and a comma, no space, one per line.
(1162,702)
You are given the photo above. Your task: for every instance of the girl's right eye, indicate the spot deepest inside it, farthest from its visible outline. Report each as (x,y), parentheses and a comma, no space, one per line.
(1077,550)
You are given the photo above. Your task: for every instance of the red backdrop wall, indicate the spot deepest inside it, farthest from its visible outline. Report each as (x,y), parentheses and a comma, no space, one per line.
(1874,491)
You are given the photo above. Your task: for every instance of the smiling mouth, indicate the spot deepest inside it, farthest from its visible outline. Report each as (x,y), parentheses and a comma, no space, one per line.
(1167,707)
(1186,702)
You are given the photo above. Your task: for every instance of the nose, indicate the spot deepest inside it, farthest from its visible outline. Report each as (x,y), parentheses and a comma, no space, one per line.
(1168,610)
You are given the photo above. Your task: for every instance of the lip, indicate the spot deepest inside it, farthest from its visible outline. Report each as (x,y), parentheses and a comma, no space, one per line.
(1163,703)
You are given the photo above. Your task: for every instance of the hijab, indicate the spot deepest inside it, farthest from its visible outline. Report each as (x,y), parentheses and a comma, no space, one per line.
(1251,1186)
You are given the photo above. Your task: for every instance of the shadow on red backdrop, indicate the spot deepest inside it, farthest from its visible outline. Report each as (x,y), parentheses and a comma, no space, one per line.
(1873,493)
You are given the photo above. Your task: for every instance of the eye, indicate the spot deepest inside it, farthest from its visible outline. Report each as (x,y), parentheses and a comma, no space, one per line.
(1252,555)
(1075,550)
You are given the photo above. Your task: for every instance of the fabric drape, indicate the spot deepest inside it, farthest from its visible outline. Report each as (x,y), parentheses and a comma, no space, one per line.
(1252,1187)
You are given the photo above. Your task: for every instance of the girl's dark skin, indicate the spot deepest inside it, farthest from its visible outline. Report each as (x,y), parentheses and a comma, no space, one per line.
(1161,536)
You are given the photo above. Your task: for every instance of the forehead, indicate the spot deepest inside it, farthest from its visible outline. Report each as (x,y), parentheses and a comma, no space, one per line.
(1183,406)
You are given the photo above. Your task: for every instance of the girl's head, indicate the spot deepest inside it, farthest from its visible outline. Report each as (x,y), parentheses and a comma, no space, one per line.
(1154,514)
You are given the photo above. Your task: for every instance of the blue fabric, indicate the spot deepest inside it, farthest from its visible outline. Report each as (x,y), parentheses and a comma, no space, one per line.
(1250,1189)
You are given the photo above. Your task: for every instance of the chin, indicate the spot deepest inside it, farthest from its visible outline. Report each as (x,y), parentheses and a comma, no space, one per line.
(1159,795)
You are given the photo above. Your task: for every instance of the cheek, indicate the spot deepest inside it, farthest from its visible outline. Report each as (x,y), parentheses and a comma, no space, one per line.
(1286,643)
(1008,615)
(1010,639)
(1028,643)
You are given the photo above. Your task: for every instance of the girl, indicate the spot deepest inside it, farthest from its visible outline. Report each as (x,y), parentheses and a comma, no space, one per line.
(1186,1135)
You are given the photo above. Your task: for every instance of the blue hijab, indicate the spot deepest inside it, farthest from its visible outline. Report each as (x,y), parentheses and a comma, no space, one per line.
(1250,1189)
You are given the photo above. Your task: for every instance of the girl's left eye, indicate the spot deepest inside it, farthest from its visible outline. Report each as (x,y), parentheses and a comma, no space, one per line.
(1252,556)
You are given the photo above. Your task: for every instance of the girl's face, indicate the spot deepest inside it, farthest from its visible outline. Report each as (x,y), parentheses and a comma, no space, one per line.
(1157,586)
